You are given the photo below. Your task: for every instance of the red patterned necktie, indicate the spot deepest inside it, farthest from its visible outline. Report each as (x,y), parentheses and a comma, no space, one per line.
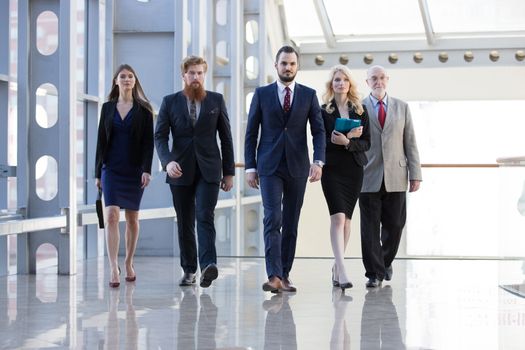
(286,104)
(381,115)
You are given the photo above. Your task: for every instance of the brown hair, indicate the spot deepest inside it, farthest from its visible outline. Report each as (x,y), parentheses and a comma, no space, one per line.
(192,61)
(137,92)
(353,95)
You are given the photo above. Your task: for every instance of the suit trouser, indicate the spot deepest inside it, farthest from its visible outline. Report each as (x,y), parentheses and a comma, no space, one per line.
(282,197)
(196,200)
(383,216)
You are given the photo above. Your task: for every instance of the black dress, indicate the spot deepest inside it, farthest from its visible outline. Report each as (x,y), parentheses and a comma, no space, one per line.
(343,172)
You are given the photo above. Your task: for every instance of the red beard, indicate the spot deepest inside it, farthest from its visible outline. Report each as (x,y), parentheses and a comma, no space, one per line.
(194,91)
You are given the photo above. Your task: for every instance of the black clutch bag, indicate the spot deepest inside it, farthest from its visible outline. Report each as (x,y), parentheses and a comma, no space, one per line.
(100,209)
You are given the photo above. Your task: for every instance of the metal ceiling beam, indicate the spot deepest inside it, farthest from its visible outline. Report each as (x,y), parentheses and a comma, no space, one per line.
(507,51)
(325,23)
(427,22)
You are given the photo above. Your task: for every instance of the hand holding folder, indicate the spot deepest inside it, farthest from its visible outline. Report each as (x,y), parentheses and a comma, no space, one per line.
(100,209)
(344,125)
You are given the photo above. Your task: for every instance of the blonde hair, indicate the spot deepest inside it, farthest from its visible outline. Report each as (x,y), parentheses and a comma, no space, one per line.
(353,95)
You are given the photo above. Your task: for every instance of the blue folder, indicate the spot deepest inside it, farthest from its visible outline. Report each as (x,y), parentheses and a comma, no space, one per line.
(344,125)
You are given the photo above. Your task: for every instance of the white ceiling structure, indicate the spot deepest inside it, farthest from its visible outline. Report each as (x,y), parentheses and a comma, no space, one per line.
(406,33)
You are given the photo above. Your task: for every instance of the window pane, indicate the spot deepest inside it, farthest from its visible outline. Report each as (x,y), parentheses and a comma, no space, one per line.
(301,19)
(374,17)
(475,16)
(468,131)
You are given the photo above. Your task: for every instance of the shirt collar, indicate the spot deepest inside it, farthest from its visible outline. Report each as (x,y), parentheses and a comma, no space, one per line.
(375,101)
(281,86)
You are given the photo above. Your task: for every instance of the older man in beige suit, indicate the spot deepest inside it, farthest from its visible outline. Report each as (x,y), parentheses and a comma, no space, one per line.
(393,165)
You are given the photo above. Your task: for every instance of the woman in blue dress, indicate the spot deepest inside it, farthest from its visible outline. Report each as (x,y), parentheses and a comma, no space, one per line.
(123,163)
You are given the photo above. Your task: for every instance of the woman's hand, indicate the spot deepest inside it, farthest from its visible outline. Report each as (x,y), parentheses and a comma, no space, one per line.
(339,138)
(146,178)
(98,184)
(355,132)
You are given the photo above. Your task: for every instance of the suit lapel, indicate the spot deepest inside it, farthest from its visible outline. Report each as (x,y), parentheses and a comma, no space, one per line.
(183,105)
(372,113)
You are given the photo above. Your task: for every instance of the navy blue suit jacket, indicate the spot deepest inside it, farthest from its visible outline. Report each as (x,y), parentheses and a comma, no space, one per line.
(195,145)
(279,134)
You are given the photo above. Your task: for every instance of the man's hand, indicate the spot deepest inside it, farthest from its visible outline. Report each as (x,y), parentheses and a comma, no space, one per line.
(227,183)
(414,185)
(98,183)
(173,169)
(252,179)
(315,173)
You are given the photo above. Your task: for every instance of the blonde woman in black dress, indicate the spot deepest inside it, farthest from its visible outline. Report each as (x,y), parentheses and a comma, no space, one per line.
(123,163)
(345,158)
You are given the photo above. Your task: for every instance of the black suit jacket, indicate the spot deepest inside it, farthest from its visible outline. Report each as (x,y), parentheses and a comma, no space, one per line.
(141,149)
(197,145)
(358,146)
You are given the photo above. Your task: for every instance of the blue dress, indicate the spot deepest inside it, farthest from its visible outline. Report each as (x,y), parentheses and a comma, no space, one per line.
(121,180)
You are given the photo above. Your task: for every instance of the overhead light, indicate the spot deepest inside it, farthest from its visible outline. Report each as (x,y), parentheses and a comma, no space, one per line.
(392,58)
(369,58)
(494,55)
(468,56)
(520,55)
(418,57)
(319,60)
(343,59)
(443,57)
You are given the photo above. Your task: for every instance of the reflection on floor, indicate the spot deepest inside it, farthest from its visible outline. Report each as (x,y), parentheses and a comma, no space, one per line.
(429,304)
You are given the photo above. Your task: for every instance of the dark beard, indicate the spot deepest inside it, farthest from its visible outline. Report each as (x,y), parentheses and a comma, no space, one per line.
(195,92)
(286,79)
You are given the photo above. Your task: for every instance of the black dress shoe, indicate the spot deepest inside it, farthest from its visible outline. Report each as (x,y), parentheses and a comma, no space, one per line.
(209,274)
(346,285)
(388,273)
(373,283)
(187,279)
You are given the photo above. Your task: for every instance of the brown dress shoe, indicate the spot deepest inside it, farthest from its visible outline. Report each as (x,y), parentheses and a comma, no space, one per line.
(272,285)
(287,285)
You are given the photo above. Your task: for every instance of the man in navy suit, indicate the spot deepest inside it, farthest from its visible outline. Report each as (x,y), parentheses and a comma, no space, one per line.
(279,161)
(194,167)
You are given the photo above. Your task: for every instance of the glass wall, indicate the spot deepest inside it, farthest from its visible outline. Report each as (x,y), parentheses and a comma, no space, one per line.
(469,209)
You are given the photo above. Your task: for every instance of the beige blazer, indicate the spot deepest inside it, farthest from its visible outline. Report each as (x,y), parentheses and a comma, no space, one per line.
(393,151)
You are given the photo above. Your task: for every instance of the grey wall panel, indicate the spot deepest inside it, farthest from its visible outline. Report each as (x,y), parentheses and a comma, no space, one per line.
(152,56)
(153,16)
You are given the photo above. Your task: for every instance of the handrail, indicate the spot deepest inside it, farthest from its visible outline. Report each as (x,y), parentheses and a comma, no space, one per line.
(452,165)
(511,161)
(16,224)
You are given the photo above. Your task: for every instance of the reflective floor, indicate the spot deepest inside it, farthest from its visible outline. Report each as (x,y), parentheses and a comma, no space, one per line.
(429,304)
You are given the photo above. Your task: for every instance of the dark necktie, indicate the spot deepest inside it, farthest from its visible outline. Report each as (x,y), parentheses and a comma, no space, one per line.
(193,112)
(381,114)
(286,104)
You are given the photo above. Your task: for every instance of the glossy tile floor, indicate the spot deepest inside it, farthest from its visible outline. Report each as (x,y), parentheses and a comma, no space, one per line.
(429,304)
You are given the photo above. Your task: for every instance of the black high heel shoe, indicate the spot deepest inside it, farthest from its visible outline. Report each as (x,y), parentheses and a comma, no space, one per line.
(335,283)
(346,285)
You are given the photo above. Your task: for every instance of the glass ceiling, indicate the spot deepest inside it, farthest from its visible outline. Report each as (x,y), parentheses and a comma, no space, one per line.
(317,21)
